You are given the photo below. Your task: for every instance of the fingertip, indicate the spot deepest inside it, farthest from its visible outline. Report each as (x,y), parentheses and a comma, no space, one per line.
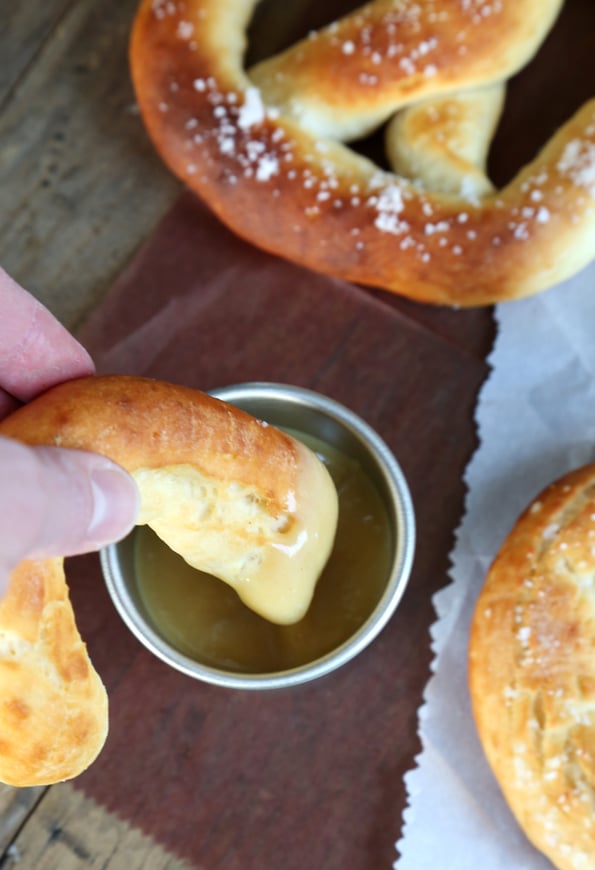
(61,502)
(37,350)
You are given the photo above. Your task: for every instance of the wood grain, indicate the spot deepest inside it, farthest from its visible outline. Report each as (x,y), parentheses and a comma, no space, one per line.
(72,833)
(16,804)
(81,186)
(22,36)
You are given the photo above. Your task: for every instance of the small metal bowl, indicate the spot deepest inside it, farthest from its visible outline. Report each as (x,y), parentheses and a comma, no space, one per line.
(311,413)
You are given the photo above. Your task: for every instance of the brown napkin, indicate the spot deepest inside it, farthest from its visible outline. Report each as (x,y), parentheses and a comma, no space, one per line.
(308,777)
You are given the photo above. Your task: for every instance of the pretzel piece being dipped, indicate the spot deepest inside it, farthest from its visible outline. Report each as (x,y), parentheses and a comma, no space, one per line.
(233,496)
(262,147)
(532,670)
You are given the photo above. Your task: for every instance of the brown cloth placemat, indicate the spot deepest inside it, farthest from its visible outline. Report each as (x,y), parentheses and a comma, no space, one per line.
(309,777)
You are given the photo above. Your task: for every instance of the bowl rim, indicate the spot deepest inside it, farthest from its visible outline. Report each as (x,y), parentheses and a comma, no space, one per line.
(402,562)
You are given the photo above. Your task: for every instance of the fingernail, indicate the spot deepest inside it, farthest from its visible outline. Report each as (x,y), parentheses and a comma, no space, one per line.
(116,502)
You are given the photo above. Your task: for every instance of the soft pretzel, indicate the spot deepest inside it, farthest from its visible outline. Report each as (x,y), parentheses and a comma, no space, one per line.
(262,148)
(233,496)
(532,670)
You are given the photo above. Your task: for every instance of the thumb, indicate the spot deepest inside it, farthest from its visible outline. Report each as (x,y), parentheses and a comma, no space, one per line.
(59,502)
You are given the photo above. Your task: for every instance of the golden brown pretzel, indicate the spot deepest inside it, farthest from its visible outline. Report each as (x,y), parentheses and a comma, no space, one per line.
(233,496)
(532,670)
(263,148)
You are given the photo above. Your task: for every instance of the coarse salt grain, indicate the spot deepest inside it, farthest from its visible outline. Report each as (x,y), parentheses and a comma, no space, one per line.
(543,215)
(252,111)
(185,30)
(389,205)
(440,227)
(578,163)
(550,531)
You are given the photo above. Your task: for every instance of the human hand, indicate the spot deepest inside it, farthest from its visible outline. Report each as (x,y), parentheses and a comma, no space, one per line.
(53,501)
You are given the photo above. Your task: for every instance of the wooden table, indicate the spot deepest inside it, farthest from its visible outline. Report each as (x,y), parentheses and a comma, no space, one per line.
(81,191)
(81,185)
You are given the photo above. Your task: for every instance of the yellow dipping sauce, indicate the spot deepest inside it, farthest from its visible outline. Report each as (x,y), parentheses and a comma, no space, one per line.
(204,618)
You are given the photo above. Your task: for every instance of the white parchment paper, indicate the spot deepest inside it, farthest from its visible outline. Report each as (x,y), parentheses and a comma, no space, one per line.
(536,420)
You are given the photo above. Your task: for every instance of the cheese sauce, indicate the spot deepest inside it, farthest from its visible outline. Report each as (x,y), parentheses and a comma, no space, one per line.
(205,619)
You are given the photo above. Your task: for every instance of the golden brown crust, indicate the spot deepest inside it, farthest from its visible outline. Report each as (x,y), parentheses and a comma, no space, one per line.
(532,670)
(54,711)
(272,147)
(144,423)
(229,493)
(455,159)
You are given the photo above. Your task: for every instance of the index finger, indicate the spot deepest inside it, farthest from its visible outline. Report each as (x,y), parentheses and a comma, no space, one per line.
(36,351)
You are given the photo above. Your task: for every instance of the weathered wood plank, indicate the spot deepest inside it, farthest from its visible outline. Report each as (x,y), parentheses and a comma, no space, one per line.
(23,29)
(71,832)
(15,805)
(81,185)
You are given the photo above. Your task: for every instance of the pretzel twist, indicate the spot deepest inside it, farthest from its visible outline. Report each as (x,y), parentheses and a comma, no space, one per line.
(262,148)
(233,496)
